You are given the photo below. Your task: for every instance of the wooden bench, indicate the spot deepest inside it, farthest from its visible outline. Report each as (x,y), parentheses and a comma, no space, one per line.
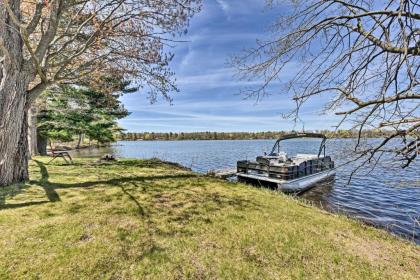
(60,154)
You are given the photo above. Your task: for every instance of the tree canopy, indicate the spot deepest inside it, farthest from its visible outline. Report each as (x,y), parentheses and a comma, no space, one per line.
(68,41)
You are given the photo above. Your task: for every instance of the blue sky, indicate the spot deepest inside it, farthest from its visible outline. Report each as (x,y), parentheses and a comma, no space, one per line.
(209,98)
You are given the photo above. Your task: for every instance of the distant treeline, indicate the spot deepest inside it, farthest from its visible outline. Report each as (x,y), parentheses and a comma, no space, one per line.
(172,136)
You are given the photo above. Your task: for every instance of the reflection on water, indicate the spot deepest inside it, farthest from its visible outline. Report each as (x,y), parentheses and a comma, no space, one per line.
(388,197)
(319,193)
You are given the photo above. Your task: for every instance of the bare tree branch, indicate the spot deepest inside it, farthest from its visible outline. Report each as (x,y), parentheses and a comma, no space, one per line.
(364,56)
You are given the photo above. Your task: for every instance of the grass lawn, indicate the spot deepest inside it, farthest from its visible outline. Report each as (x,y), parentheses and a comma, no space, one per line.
(144,219)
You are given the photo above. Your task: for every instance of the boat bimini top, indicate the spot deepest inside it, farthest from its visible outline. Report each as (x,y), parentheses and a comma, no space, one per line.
(276,149)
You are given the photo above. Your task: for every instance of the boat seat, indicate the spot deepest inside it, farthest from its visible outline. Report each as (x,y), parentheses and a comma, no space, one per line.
(276,157)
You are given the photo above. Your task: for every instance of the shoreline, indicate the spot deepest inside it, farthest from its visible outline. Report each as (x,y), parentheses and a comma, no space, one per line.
(396,225)
(180,140)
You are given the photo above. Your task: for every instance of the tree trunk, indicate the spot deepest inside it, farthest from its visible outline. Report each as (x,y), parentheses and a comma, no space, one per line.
(22,156)
(15,75)
(79,142)
(32,132)
(14,148)
(42,143)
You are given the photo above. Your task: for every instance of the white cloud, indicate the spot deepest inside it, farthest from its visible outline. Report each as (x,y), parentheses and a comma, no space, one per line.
(225,77)
(187,59)
(224,6)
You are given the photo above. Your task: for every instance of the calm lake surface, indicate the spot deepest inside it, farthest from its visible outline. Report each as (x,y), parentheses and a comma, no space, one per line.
(388,197)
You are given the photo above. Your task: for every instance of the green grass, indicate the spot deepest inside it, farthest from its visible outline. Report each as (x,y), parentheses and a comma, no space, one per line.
(144,219)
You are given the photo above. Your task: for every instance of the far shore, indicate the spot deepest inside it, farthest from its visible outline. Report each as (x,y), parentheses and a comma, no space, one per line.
(72,147)
(209,135)
(227,139)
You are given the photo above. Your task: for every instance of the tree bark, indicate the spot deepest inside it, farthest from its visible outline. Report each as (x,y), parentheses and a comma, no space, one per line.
(79,142)
(42,143)
(15,74)
(14,148)
(32,132)
(22,156)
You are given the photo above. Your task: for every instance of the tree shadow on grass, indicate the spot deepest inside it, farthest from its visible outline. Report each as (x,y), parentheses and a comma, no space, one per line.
(20,205)
(132,198)
(45,184)
(167,206)
(51,187)
(52,195)
(180,202)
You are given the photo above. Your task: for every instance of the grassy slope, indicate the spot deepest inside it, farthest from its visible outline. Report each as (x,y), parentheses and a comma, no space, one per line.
(139,219)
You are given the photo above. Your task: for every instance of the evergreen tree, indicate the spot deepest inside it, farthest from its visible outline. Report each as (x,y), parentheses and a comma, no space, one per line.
(71,112)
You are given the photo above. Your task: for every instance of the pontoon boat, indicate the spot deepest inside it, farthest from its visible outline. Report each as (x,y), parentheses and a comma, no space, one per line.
(288,174)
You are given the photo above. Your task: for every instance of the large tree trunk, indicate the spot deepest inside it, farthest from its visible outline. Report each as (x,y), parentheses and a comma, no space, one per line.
(14,149)
(15,75)
(20,170)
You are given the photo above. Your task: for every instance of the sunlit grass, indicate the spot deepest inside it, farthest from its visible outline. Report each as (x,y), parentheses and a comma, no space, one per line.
(147,219)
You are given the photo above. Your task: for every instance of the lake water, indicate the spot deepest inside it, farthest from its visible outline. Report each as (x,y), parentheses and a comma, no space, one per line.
(388,197)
